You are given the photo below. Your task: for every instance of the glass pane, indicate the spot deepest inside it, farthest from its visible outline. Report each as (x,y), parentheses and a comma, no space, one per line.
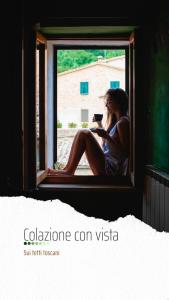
(77,71)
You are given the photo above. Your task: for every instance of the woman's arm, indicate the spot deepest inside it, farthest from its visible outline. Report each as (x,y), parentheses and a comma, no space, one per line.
(123,131)
(100,125)
(121,138)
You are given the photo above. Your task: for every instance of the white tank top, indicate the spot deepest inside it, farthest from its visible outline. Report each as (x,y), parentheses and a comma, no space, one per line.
(113,152)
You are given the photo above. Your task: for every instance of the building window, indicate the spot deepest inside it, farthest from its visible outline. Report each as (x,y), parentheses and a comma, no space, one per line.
(114,84)
(84,115)
(84,88)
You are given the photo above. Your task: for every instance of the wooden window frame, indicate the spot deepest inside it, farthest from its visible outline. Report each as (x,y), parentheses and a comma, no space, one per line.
(31,180)
(84,178)
(41,43)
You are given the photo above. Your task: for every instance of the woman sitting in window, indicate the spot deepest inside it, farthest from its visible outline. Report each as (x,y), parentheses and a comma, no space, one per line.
(112,158)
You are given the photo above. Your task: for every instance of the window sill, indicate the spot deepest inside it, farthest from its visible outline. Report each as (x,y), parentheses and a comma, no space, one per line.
(92,183)
(160,175)
(83,187)
(88,179)
(41,175)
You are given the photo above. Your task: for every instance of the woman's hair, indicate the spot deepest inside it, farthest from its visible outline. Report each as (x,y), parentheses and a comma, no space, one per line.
(120,97)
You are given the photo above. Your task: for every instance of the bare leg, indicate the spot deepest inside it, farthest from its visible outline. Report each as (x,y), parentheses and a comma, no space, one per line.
(74,145)
(84,141)
(76,152)
(95,155)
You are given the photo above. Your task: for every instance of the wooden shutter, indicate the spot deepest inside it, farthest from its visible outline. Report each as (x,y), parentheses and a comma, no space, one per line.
(114,84)
(84,88)
(31,41)
(41,108)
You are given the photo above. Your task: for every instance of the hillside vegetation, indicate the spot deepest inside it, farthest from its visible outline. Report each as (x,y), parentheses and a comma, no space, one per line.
(71,59)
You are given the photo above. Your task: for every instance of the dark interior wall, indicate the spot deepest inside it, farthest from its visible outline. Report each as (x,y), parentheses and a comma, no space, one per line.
(11,100)
(158,97)
(11,68)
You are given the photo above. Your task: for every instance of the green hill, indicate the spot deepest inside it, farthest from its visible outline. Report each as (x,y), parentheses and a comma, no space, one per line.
(70,59)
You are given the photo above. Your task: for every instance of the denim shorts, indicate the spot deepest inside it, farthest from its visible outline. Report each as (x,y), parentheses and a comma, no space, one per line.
(110,167)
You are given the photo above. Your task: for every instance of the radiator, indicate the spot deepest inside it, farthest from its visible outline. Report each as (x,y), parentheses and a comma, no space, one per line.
(156,199)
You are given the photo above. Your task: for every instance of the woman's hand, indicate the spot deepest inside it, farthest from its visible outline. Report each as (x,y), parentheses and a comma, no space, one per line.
(102,133)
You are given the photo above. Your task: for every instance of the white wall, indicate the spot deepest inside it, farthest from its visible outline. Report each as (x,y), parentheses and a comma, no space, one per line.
(117,62)
(70,101)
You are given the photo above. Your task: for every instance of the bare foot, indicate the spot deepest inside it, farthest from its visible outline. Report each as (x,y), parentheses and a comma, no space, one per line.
(59,172)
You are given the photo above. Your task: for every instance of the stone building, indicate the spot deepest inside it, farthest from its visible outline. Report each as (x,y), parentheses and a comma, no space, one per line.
(80,90)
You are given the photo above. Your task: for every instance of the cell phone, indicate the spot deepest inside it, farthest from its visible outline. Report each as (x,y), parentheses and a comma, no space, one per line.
(93,129)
